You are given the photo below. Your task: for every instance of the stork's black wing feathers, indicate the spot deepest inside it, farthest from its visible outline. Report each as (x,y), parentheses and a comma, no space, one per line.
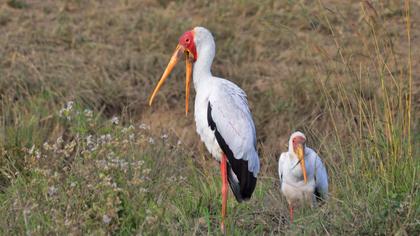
(241,180)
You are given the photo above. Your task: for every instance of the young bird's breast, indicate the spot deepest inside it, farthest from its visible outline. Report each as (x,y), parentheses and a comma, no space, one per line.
(293,185)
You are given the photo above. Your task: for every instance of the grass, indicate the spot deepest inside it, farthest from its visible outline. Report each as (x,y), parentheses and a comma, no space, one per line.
(82,153)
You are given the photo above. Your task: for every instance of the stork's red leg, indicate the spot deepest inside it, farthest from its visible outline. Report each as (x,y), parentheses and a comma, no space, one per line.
(223,169)
(291,213)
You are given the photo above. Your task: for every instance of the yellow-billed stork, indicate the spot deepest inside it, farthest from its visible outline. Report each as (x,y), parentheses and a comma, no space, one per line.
(307,184)
(223,119)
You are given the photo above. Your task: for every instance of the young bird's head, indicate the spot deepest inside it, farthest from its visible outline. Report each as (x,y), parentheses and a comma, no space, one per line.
(297,146)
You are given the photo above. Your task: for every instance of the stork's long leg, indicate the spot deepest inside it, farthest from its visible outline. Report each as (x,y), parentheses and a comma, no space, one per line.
(291,213)
(223,170)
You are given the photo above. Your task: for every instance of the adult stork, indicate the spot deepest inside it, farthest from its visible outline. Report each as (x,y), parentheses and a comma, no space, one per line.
(307,184)
(223,119)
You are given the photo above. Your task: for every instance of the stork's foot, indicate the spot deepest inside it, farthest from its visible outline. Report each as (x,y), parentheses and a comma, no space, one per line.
(223,228)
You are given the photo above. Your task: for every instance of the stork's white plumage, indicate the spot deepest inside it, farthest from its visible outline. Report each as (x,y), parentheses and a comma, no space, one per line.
(303,177)
(222,116)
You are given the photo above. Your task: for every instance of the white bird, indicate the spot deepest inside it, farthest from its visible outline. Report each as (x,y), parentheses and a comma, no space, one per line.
(307,184)
(223,119)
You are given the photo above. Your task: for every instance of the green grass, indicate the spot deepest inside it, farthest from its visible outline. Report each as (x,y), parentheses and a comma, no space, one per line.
(106,163)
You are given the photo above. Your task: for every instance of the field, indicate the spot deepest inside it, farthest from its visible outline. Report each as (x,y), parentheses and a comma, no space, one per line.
(83,153)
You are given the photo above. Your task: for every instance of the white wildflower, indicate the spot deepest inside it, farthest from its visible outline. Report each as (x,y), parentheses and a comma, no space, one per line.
(106,219)
(65,111)
(52,191)
(69,105)
(115,120)
(123,165)
(172,179)
(101,163)
(62,112)
(111,155)
(138,165)
(69,147)
(142,190)
(59,140)
(146,171)
(103,139)
(143,126)
(37,154)
(26,211)
(90,142)
(46,146)
(150,219)
(151,140)
(88,113)
(57,145)
(31,151)
(67,222)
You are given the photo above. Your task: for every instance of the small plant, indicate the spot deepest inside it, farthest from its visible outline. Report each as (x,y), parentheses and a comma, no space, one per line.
(18,4)
(82,153)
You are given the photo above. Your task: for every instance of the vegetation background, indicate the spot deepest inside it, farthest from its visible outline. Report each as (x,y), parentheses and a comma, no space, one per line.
(82,152)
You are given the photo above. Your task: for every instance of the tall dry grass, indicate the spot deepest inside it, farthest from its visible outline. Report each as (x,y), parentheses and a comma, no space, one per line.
(344,73)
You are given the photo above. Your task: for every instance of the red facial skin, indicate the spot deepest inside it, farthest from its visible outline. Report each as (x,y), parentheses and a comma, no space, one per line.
(298,140)
(187,41)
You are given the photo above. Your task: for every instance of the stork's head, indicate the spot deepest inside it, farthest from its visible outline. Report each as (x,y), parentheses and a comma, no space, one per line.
(186,43)
(297,146)
(187,47)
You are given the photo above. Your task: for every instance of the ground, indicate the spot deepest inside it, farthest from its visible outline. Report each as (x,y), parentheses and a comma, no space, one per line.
(83,153)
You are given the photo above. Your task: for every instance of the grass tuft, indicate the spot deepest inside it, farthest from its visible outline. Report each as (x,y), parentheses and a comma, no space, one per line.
(83,153)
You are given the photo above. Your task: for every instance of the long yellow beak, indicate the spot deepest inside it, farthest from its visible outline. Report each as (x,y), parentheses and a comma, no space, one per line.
(188,71)
(174,60)
(301,155)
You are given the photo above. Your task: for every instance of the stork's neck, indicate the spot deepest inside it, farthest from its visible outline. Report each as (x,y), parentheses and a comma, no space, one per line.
(202,67)
(293,155)
(291,148)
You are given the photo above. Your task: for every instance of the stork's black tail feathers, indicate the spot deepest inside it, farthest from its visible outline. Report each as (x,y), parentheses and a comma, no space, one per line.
(242,190)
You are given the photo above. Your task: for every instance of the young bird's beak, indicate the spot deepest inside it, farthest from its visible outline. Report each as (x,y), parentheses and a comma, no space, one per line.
(300,152)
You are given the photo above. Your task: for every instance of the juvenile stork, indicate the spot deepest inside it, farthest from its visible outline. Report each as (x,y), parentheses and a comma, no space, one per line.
(307,184)
(223,119)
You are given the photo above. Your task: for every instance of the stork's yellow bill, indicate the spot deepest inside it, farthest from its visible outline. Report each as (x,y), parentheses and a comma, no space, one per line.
(185,47)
